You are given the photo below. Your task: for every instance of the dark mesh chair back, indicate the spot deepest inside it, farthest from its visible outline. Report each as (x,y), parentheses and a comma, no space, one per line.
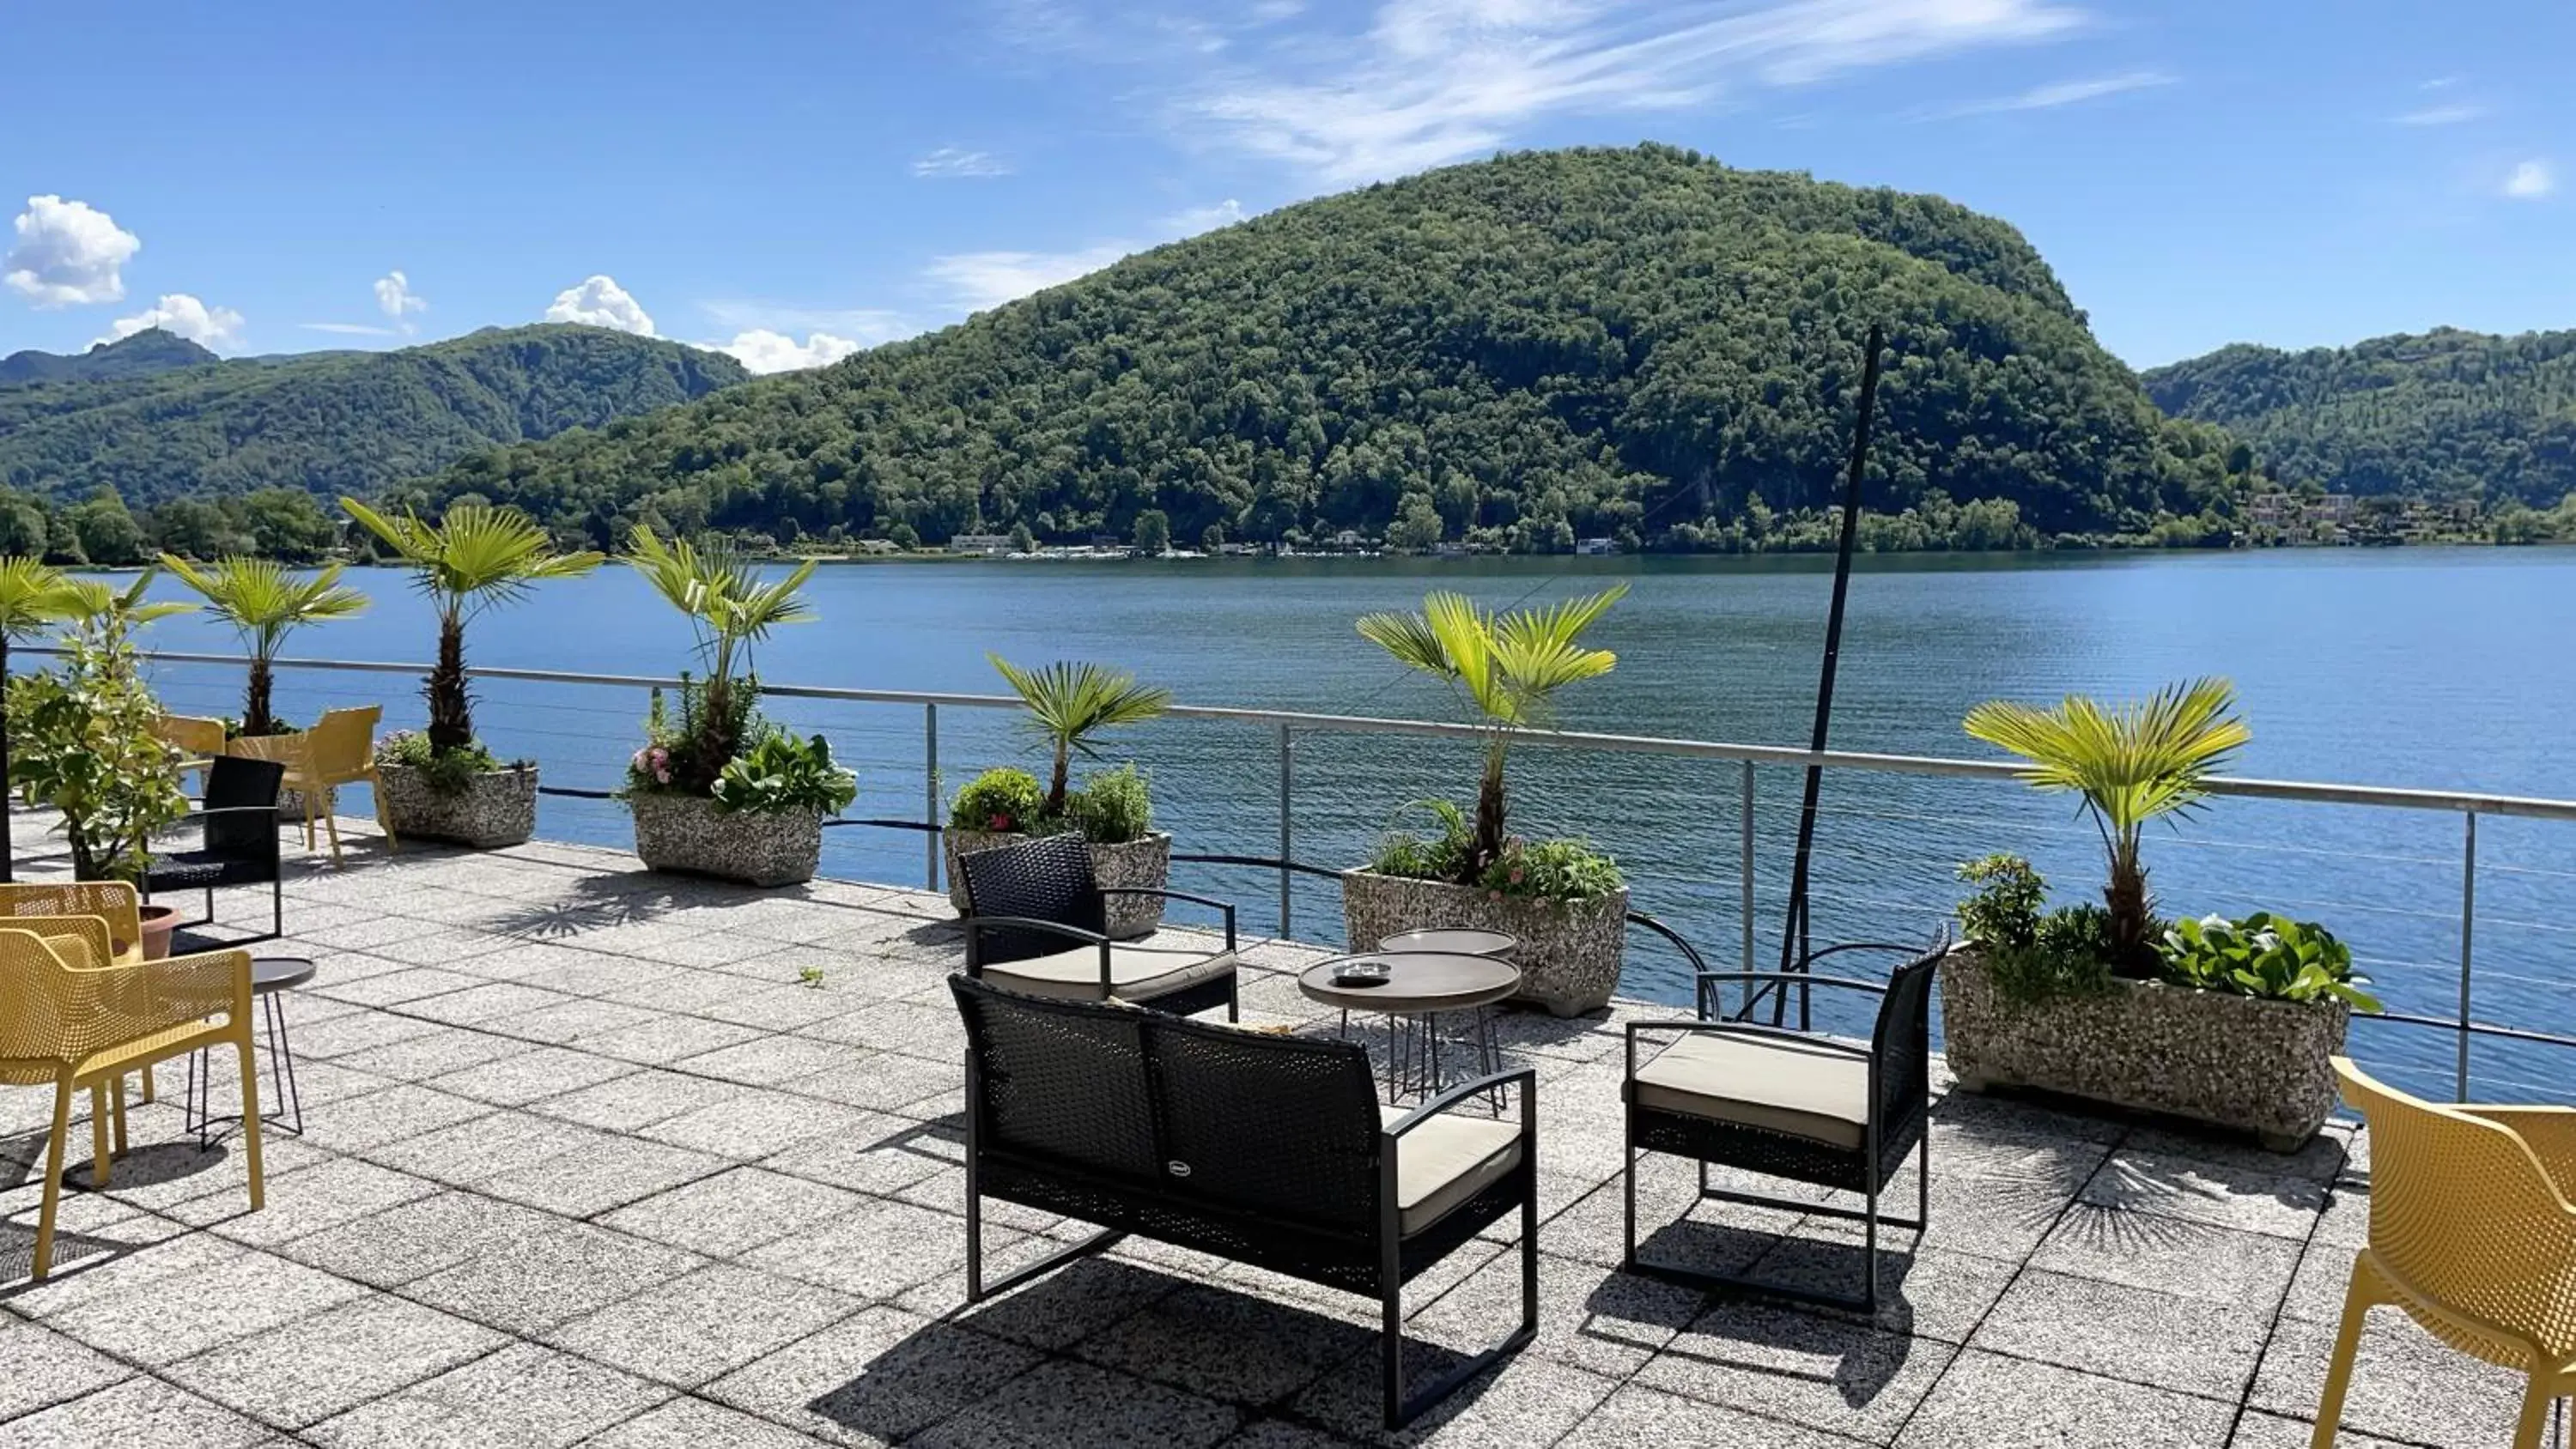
(235,783)
(1902,1041)
(1059,1086)
(1268,1126)
(1042,880)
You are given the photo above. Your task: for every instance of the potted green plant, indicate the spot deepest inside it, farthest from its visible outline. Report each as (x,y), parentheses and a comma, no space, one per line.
(33,598)
(718,790)
(264,601)
(1564,902)
(1069,705)
(2231,1023)
(444,783)
(87,742)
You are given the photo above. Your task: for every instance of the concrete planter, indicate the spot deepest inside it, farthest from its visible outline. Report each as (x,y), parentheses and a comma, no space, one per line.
(2237,1062)
(494,809)
(1146,862)
(689,835)
(1569,954)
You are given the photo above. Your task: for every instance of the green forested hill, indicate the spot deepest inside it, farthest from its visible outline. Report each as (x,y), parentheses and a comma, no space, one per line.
(148,351)
(1524,350)
(2447,414)
(335,422)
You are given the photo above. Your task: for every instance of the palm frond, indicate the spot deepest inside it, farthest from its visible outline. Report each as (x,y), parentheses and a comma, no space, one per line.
(1508,665)
(33,594)
(2132,762)
(1069,702)
(476,553)
(263,598)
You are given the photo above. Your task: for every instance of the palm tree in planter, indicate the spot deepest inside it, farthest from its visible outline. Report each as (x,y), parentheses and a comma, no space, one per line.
(1069,704)
(1564,902)
(33,598)
(2233,1023)
(264,601)
(720,791)
(443,784)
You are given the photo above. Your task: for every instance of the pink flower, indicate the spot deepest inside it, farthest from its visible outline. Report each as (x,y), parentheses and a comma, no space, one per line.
(661,757)
(661,775)
(1493,895)
(999,822)
(638,762)
(1516,875)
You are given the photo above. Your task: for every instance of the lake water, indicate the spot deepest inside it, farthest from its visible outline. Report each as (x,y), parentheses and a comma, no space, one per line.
(2427,668)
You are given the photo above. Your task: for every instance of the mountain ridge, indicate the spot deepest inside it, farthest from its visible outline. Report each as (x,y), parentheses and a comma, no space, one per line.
(138,354)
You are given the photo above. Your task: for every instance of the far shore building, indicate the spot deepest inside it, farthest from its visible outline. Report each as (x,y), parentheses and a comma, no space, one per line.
(990,545)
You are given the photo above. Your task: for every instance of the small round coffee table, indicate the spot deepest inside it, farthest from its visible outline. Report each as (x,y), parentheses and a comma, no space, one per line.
(270,979)
(1455,940)
(1419,986)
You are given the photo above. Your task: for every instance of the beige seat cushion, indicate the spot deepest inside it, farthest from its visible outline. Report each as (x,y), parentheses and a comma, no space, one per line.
(1765,1082)
(1139,970)
(1447,1160)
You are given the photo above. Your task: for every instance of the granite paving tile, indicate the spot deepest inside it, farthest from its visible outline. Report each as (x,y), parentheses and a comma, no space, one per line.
(548,1273)
(2169,1255)
(1822,1372)
(697,1424)
(1230,1346)
(637,1100)
(39,1366)
(523,1397)
(302,1372)
(1652,1419)
(2189,1188)
(754,1124)
(2406,1384)
(2113,1331)
(730,1213)
(1059,1403)
(136,1411)
(530,1075)
(688,1330)
(169,1318)
(1987,1401)
(848,1252)
(874,1378)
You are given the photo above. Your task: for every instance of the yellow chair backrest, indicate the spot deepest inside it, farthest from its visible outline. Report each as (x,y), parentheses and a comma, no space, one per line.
(2465,1214)
(111,902)
(192,735)
(294,751)
(343,743)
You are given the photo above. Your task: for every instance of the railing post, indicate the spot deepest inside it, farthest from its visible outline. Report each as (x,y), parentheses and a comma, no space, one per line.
(1746,822)
(2468,939)
(930,792)
(1287,833)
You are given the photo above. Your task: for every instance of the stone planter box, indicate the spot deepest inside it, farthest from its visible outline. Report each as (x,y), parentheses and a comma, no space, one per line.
(1146,862)
(496,808)
(1568,956)
(2237,1062)
(689,835)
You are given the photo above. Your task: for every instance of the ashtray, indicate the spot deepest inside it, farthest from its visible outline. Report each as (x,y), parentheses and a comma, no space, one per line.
(1361,973)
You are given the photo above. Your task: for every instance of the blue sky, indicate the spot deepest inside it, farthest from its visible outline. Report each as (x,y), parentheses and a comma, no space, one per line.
(794,179)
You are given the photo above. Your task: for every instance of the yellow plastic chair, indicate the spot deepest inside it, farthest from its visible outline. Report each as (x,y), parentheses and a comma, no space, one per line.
(2473,1235)
(64,908)
(72,1017)
(340,749)
(196,738)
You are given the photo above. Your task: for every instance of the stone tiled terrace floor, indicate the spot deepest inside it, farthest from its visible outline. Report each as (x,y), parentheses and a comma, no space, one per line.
(588,1160)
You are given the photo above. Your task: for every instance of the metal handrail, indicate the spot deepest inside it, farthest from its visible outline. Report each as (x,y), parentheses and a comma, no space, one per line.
(2313,792)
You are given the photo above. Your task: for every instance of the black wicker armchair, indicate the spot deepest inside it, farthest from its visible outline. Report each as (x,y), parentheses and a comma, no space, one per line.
(1037,922)
(237,841)
(1791,1104)
(1258,1148)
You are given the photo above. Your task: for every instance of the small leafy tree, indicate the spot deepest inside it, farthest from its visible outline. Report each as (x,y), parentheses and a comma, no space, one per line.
(264,602)
(1153,533)
(89,747)
(730,609)
(33,597)
(474,557)
(2132,763)
(1507,669)
(1069,703)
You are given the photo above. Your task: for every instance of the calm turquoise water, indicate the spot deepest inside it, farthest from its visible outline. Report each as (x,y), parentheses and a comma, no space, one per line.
(2426,668)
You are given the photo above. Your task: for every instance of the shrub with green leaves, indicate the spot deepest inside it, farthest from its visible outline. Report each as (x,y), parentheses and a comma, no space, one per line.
(1564,871)
(1113,807)
(781,773)
(2264,955)
(444,771)
(2034,955)
(1002,800)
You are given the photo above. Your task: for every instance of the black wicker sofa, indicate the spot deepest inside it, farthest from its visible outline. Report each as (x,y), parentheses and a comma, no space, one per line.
(1258,1148)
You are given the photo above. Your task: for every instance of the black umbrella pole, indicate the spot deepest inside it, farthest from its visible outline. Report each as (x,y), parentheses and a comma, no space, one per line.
(1793,929)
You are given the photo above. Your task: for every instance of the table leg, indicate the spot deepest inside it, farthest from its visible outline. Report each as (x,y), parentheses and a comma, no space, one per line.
(281,1066)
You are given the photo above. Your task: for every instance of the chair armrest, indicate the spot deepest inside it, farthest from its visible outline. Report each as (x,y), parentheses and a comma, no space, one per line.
(976,926)
(1801,978)
(197,985)
(1170,895)
(2550,1133)
(1524,1077)
(92,932)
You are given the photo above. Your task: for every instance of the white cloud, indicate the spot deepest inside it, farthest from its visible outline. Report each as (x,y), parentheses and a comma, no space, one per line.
(762,350)
(216,327)
(600,302)
(350,329)
(68,252)
(1433,81)
(980,280)
(2530,181)
(2450,115)
(394,298)
(1190,221)
(958,161)
(2058,93)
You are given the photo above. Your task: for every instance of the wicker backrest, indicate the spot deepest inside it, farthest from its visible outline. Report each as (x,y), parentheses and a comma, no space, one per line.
(1190,1113)
(2464,1212)
(1049,879)
(1901,1043)
(232,782)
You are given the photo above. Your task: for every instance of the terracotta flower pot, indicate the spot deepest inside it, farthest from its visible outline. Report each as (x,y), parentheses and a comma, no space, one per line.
(159,923)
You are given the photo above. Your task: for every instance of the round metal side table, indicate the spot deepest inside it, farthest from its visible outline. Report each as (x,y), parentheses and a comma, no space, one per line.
(271,977)
(1419,986)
